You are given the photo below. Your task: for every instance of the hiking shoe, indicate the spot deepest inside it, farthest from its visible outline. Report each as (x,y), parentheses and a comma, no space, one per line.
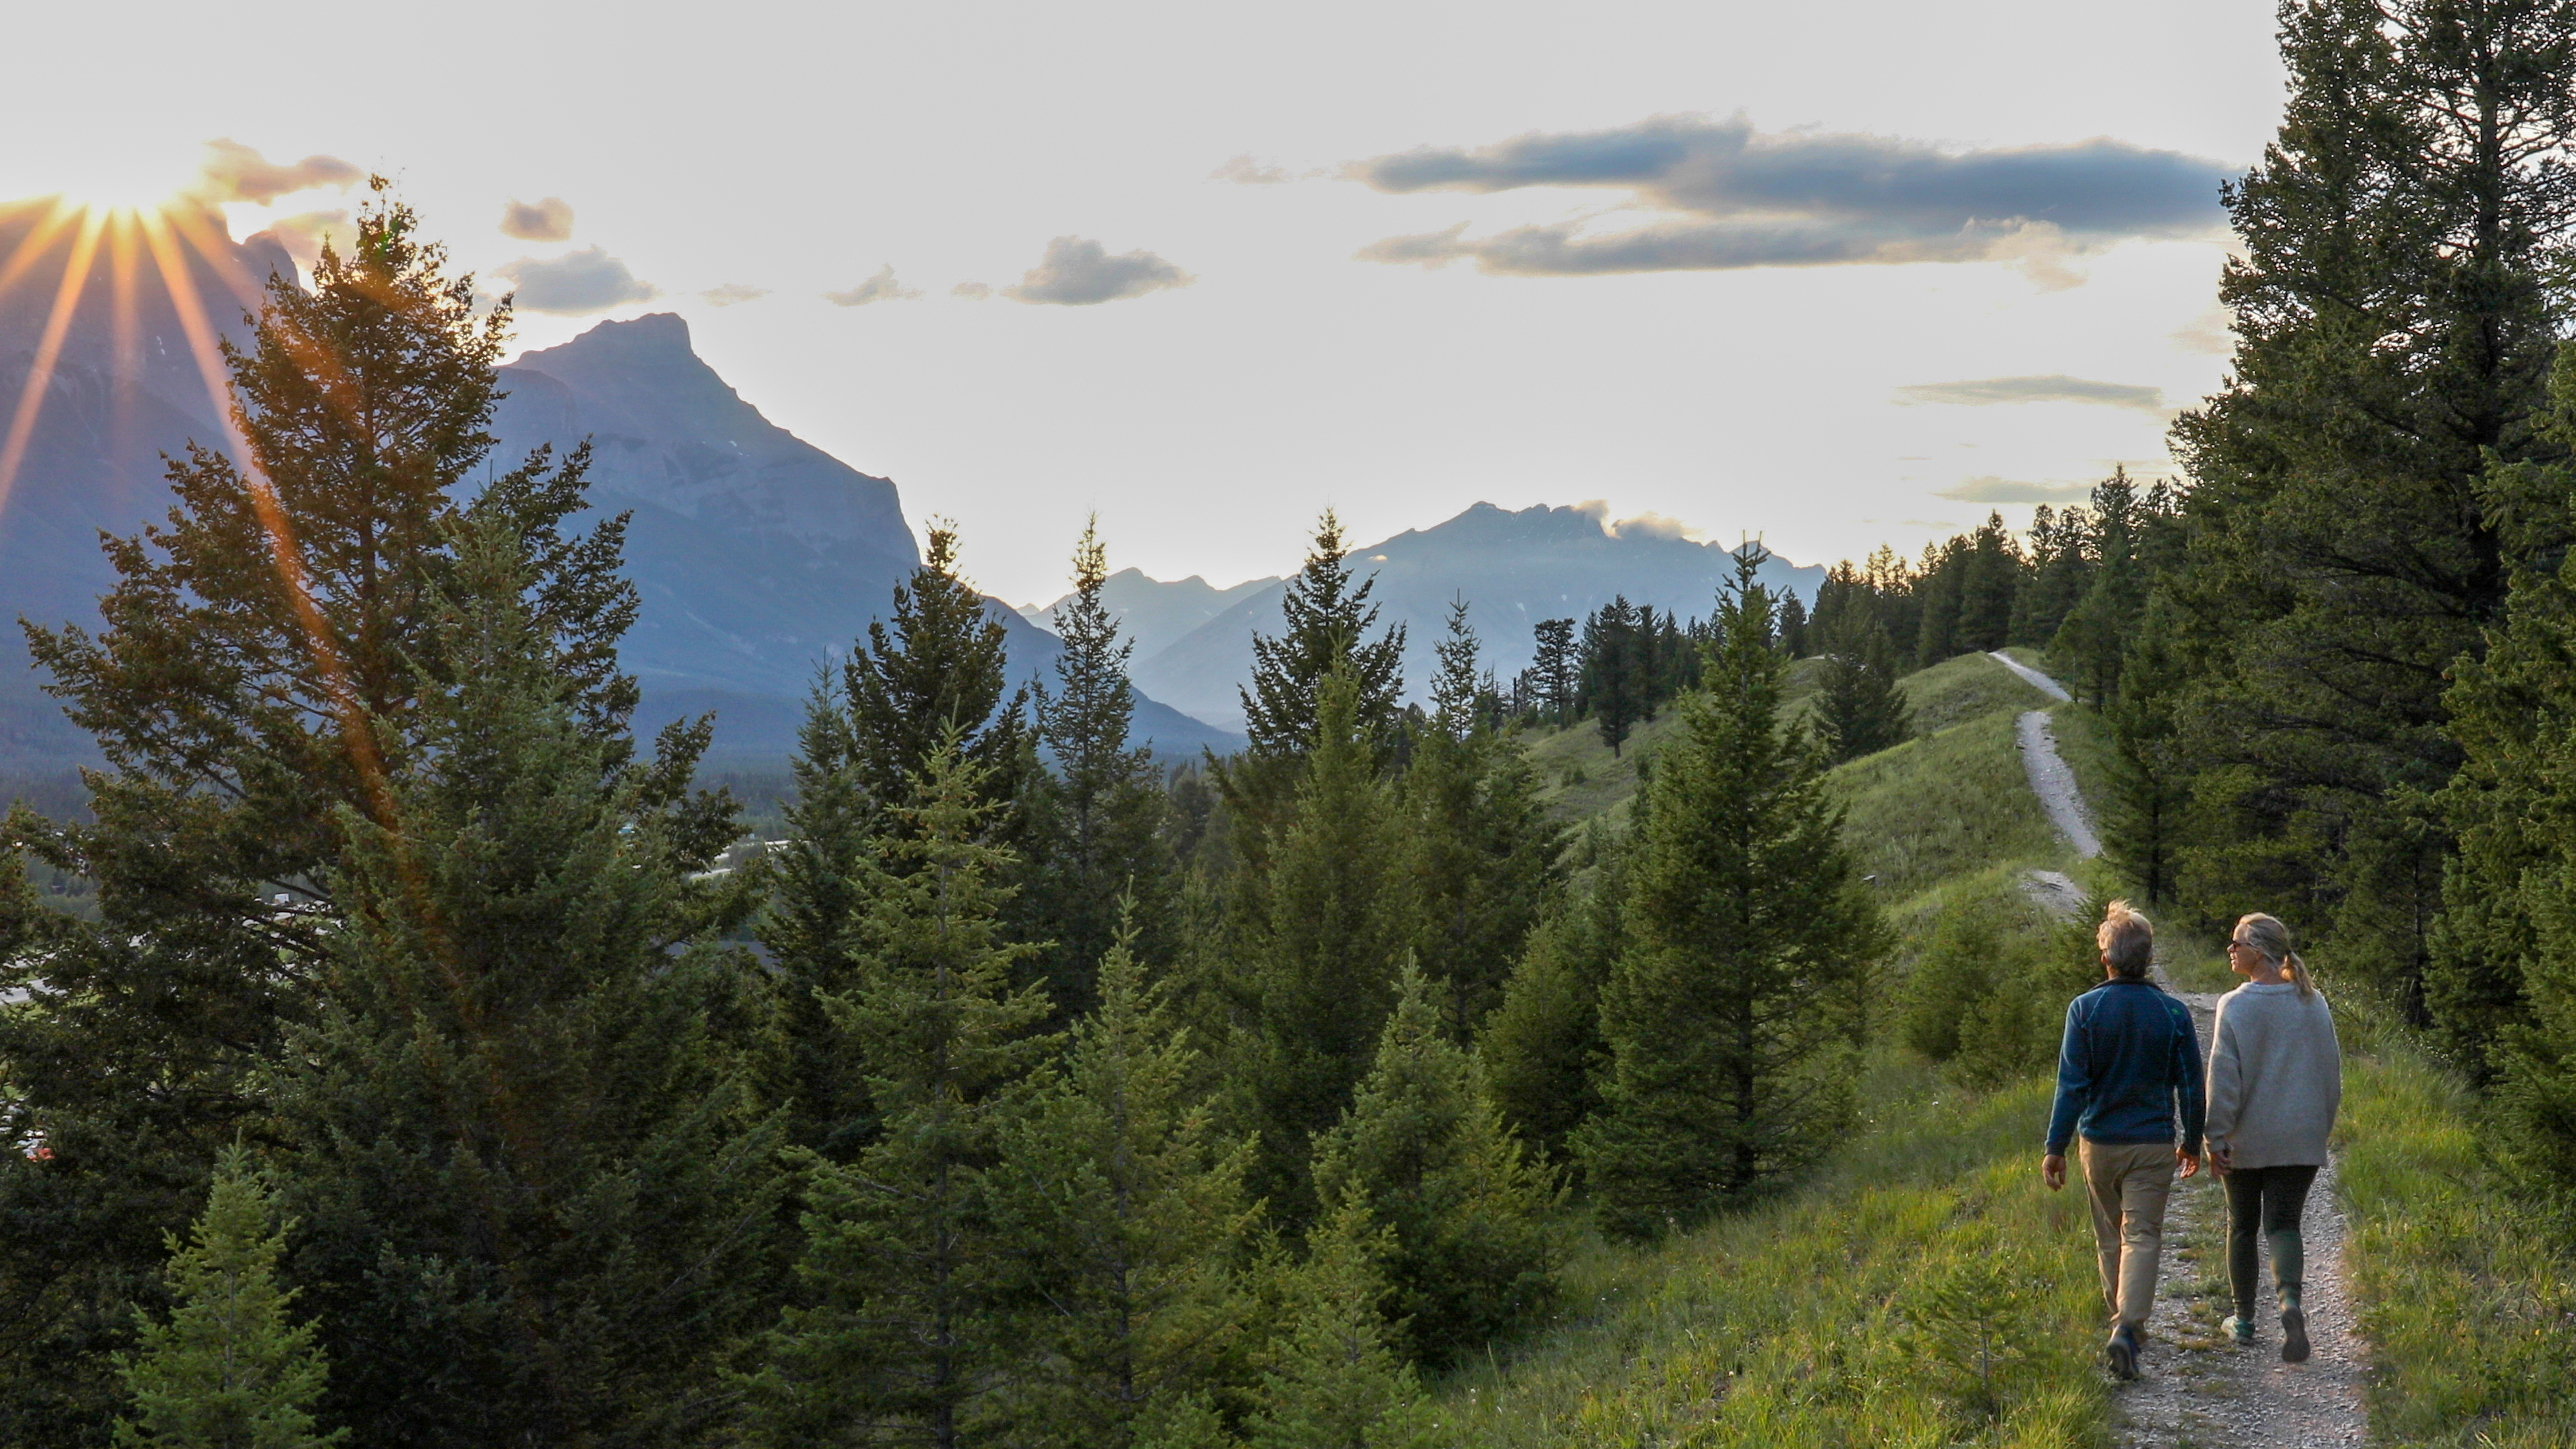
(2239,1328)
(2294,1336)
(2122,1353)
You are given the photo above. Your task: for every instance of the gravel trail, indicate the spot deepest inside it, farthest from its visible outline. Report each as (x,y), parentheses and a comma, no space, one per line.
(2197,1388)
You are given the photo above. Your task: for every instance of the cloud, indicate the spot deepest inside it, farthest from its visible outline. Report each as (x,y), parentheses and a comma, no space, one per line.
(2057,387)
(235,172)
(575,283)
(1653,525)
(547,220)
(732,294)
(1079,272)
(1245,171)
(972,291)
(1732,197)
(304,233)
(1990,489)
(880,288)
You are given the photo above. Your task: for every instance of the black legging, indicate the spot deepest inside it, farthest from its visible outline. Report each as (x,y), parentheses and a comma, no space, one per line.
(2266,1200)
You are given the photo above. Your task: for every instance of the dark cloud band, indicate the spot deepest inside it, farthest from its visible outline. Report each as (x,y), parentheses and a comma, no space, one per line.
(1739,198)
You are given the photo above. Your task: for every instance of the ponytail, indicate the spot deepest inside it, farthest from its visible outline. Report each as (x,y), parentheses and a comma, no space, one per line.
(2267,935)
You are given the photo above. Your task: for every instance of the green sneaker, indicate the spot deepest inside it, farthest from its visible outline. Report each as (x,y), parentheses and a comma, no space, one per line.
(2240,1329)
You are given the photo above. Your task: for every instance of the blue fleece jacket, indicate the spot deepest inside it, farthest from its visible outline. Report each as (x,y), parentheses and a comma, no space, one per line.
(2130,1051)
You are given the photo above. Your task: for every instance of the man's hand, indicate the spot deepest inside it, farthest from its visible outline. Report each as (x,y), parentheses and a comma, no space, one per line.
(2052,1170)
(2190,1161)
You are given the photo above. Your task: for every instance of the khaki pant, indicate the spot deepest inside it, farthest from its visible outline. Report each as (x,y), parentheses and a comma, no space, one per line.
(2128,1184)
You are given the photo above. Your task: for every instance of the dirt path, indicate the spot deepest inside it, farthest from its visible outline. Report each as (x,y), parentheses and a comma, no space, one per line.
(2197,1388)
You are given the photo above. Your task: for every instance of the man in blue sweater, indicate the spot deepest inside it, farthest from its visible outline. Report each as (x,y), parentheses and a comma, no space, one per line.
(2131,1060)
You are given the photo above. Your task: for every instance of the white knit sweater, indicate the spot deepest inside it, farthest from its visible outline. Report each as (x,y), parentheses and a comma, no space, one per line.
(2275,1077)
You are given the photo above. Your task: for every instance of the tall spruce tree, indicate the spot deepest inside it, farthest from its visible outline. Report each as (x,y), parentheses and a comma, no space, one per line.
(256,687)
(230,1368)
(1558,665)
(1124,1203)
(1098,848)
(1542,1049)
(537,1199)
(1615,668)
(1747,934)
(1327,619)
(1481,850)
(1319,929)
(1860,708)
(932,672)
(2397,308)
(1425,1154)
(904,1330)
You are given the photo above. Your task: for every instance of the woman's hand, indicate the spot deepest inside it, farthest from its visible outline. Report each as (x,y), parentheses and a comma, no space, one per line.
(2218,1161)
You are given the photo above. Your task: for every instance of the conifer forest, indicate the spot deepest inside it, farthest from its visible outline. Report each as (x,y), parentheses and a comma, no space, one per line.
(1646,1047)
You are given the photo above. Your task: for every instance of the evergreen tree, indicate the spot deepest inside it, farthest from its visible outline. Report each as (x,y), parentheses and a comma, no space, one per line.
(1099,853)
(933,672)
(1482,849)
(1321,926)
(1557,663)
(2396,315)
(256,686)
(2094,637)
(1860,708)
(537,1203)
(1793,626)
(936,670)
(905,1331)
(2149,796)
(1425,1154)
(1334,1380)
(2062,553)
(230,1369)
(1747,933)
(1327,619)
(1615,670)
(1542,1049)
(1127,1205)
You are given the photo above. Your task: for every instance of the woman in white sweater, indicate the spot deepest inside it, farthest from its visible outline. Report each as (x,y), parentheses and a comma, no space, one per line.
(2275,1080)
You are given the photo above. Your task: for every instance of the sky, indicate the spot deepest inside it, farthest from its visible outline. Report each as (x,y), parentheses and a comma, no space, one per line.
(1833,275)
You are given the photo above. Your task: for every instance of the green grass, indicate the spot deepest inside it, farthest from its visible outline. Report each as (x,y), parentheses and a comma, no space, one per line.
(1956,803)
(1848,1313)
(2469,1301)
(1967,687)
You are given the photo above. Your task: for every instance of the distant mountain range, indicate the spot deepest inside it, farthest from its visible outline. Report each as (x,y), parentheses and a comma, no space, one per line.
(1512,570)
(760,558)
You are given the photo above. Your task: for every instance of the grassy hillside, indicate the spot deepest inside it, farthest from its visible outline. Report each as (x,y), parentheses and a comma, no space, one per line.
(1853,1309)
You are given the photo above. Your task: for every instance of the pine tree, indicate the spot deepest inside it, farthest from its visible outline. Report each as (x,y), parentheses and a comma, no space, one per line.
(936,669)
(1320,928)
(1541,1049)
(905,1329)
(2147,804)
(1334,1380)
(1327,619)
(1127,1206)
(1482,857)
(1860,708)
(1099,852)
(230,1369)
(1423,1150)
(2397,314)
(519,1149)
(1746,930)
(257,685)
(1557,663)
(819,879)
(1614,671)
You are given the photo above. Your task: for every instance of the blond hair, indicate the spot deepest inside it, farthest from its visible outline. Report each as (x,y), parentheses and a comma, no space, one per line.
(2271,939)
(2127,939)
